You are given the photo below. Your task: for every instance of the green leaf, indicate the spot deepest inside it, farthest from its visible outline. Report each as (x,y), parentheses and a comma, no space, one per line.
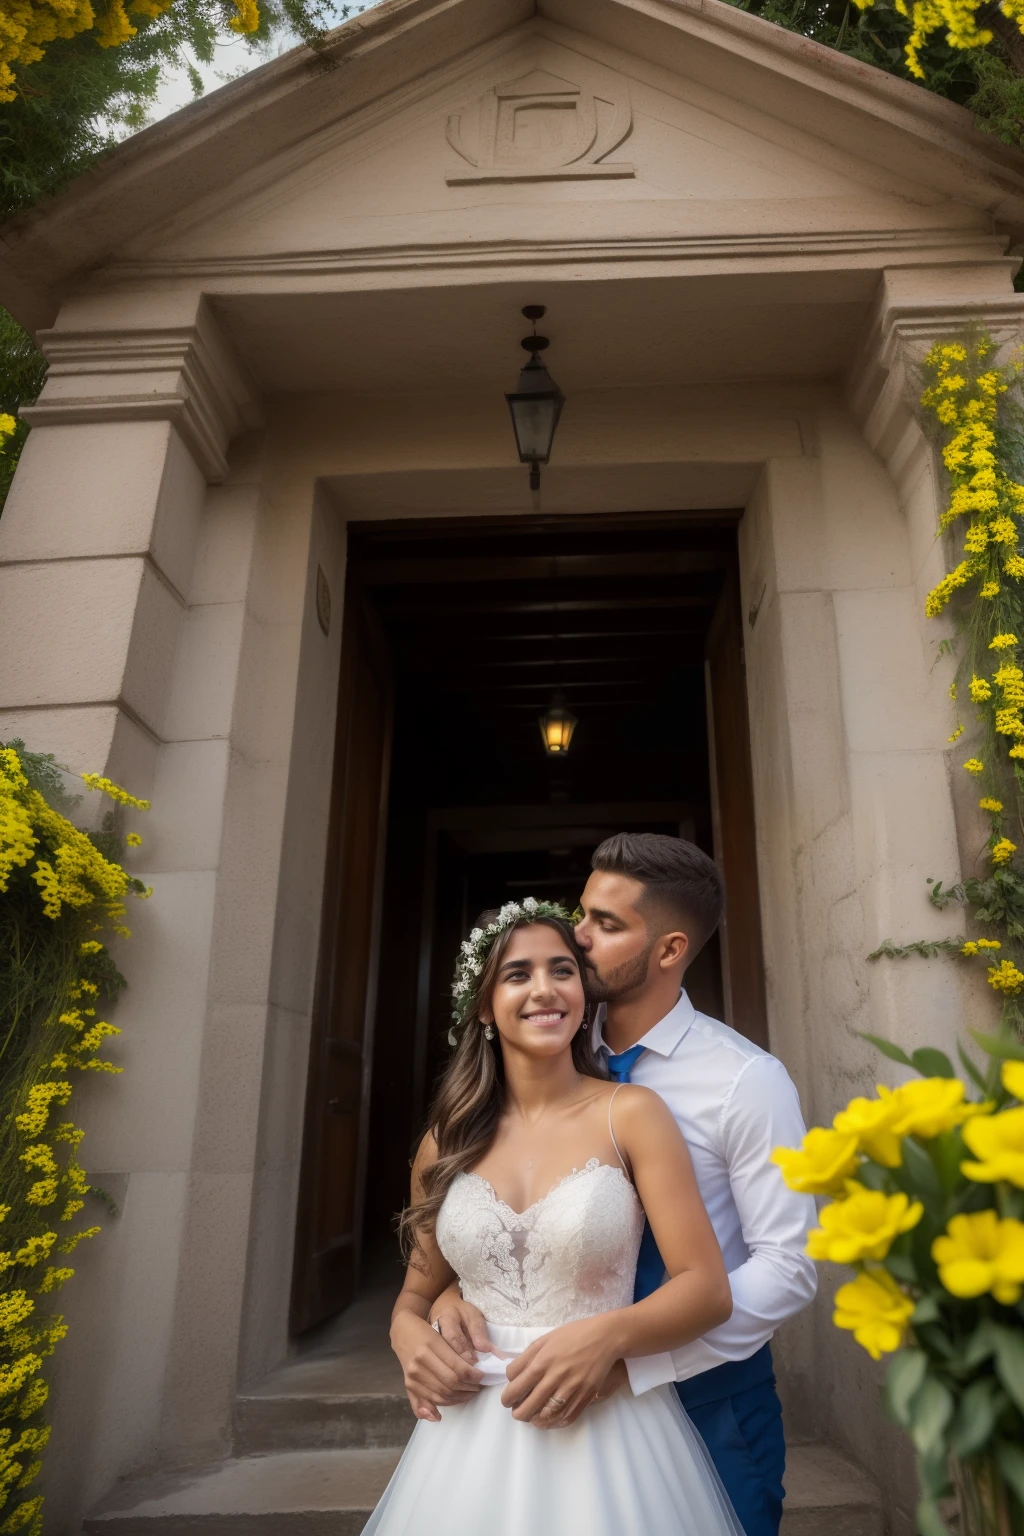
(932,1063)
(926,1311)
(872,1175)
(979,1346)
(974,1420)
(947,1151)
(1008,1347)
(906,1372)
(930,1412)
(1002,1046)
(887,1049)
(918,1175)
(969,1067)
(1010,1461)
(902,1267)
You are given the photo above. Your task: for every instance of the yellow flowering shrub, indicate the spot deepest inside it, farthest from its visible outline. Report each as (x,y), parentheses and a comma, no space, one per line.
(27,27)
(61,890)
(929,1214)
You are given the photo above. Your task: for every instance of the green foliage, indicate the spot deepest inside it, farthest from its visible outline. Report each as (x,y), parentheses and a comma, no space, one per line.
(80,100)
(926,949)
(986,80)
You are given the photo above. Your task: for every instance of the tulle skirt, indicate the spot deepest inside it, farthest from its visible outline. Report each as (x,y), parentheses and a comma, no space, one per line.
(630,1466)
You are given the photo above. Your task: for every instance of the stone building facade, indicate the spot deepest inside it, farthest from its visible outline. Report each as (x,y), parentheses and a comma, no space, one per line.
(293,308)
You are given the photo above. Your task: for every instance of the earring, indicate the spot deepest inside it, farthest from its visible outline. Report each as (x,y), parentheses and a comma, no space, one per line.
(488,1031)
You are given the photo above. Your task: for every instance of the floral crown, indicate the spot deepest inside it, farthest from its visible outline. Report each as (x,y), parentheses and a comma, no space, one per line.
(475,949)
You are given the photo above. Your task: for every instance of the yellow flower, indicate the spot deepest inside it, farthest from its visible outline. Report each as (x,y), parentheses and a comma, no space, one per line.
(988,803)
(1013,1078)
(998,1143)
(989,589)
(956,734)
(976,946)
(980,689)
(114,791)
(15,1306)
(1005,977)
(1002,642)
(1014,566)
(871,1121)
(821,1165)
(1003,851)
(863,1226)
(974,765)
(876,1311)
(981,1253)
(928,1106)
(133,840)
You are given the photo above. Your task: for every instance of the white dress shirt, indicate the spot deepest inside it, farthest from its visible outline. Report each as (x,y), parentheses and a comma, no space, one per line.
(734,1104)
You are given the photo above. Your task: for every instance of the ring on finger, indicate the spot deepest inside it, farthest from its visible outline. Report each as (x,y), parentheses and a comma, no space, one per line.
(559,1402)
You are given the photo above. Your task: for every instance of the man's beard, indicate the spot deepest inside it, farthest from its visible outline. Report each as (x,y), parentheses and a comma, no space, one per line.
(622,980)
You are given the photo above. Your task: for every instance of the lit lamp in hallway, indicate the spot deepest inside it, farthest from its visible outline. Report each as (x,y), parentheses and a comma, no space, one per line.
(556,728)
(536,404)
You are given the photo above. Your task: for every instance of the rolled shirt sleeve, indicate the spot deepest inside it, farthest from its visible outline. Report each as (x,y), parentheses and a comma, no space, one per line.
(777,1280)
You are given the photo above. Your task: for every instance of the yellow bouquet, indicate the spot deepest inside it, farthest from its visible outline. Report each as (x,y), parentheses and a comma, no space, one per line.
(925,1188)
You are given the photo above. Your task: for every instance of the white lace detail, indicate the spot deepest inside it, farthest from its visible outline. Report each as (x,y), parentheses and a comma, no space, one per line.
(570,1255)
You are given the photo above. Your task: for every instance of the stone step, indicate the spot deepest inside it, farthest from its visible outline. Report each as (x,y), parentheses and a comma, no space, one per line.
(293,1493)
(325,1403)
(826,1492)
(332,1492)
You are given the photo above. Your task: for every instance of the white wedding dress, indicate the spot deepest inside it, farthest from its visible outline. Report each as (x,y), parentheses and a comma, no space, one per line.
(629,1466)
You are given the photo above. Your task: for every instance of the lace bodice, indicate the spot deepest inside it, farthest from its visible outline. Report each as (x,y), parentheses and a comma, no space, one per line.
(570,1255)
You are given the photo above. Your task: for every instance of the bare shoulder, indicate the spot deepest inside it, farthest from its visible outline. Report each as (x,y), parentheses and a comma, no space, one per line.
(639,1110)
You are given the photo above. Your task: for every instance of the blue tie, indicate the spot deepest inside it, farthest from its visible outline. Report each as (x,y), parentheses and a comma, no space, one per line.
(650,1271)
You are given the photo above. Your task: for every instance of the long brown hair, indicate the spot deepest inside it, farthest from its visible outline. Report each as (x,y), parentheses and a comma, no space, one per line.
(470,1097)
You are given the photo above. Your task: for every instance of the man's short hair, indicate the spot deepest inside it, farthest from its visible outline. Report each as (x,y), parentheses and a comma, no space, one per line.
(678,879)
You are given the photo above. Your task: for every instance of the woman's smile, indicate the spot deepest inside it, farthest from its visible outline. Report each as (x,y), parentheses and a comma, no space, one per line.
(544,1016)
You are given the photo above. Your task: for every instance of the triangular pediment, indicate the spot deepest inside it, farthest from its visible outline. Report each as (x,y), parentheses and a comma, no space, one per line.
(550,138)
(448,127)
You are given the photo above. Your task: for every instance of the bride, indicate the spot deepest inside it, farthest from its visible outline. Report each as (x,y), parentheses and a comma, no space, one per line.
(531,1187)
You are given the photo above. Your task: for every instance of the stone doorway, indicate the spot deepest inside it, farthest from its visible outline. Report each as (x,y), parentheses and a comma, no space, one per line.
(464,630)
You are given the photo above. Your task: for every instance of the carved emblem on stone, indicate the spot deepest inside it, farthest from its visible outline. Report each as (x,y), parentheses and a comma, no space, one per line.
(542,128)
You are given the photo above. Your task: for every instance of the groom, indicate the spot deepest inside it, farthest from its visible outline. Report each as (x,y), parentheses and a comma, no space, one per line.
(649,906)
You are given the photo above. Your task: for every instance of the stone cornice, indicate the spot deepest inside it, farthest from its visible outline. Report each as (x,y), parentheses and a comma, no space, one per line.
(883,386)
(183,374)
(798,249)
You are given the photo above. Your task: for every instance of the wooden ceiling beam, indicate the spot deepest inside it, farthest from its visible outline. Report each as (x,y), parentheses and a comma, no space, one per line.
(434,570)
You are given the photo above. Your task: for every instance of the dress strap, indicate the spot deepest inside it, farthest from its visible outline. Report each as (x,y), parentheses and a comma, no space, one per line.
(611,1133)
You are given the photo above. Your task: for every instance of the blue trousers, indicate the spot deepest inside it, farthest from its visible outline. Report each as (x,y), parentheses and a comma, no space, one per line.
(743,1433)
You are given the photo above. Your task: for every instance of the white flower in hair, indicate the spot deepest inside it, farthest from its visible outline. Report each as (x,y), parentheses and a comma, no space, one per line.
(473,953)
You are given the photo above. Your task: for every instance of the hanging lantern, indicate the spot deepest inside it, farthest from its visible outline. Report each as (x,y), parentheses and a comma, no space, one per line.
(536,405)
(557,727)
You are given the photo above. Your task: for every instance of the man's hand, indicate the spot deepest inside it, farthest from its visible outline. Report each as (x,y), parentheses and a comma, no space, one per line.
(435,1376)
(552,1381)
(617,1377)
(462,1325)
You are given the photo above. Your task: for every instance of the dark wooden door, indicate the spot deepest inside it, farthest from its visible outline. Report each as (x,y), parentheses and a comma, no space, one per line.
(331,1194)
(732,804)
